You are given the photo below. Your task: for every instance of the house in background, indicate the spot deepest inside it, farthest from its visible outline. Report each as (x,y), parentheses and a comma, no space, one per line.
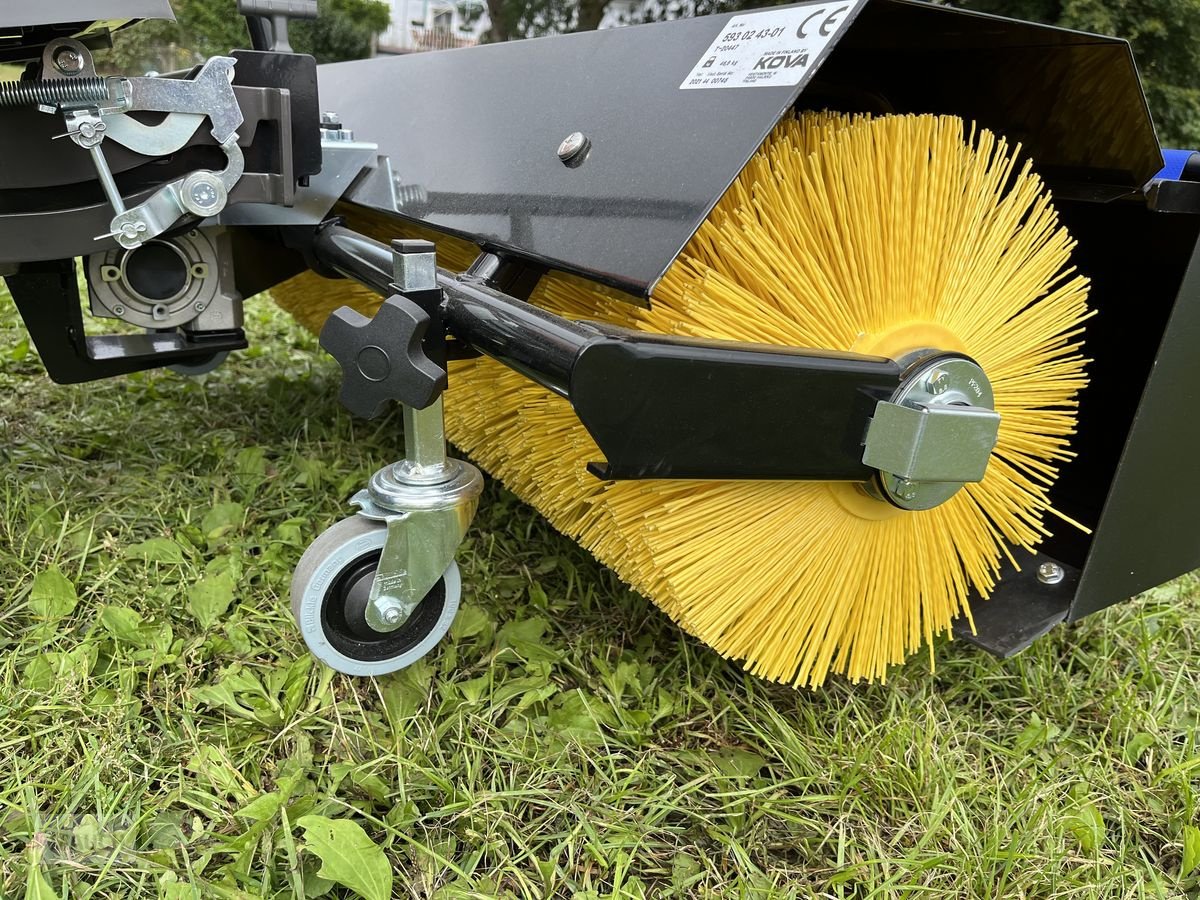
(443,24)
(433,25)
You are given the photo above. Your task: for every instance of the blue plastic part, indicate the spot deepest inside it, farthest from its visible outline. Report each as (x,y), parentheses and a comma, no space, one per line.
(1176,160)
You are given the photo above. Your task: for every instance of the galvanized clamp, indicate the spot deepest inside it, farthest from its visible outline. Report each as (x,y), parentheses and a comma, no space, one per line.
(935,435)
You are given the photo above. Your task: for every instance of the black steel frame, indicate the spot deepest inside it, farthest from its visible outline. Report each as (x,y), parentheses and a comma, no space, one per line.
(658,406)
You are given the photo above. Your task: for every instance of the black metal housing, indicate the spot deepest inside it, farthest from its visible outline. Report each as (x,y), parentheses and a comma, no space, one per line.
(47,296)
(658,406)
(477,156)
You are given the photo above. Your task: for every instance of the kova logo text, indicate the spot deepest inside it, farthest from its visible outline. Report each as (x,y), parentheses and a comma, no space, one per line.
(781,61)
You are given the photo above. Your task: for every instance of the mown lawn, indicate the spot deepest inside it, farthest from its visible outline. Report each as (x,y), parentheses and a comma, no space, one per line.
(164,733)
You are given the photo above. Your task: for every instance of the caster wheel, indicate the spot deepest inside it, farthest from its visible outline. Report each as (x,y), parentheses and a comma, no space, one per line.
(203,367)
(329,596)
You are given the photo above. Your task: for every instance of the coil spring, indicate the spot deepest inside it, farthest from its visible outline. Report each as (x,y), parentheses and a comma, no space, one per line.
(53,91)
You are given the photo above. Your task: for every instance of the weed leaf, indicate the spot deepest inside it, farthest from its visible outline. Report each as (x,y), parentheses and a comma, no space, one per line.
(161,550)
(210,597)
(36,885)
(1191,850)
(53,595)
(1138,745)
(1088,827)
(222,518)
(348,856)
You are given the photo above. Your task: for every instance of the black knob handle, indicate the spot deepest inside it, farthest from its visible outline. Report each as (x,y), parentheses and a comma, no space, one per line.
(382,358)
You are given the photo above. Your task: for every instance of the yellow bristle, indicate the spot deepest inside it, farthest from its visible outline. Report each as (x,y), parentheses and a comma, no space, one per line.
(876,235)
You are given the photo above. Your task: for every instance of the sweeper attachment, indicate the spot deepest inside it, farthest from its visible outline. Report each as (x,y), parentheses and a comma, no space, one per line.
(829,327)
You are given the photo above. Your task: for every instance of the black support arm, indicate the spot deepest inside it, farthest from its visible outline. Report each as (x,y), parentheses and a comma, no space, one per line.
(660,406)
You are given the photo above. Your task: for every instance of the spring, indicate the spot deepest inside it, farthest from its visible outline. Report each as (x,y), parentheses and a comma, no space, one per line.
(53,91)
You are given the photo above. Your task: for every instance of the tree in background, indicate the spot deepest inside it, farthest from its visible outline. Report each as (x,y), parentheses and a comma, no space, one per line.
(346,29)
(516,19)
(1165,35)
(1166,40)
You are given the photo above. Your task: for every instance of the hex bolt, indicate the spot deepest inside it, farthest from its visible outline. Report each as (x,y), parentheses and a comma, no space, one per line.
(573,149)
(69,61)
(1050,573)
(330,120)
(938,381)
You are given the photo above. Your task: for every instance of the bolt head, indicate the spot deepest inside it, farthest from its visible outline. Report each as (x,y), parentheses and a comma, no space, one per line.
(119,310)
(204,195)
(573,146)
(330,120)
(393,615)
(69,61)
(1050,573)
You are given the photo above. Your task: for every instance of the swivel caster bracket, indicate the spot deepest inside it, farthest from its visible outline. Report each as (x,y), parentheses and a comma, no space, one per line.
(378,590)
(427,502)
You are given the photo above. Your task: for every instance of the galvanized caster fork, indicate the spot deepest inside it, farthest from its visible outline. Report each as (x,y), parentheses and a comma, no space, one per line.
(377,591)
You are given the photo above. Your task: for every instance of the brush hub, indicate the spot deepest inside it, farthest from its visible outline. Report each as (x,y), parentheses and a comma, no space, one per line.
(934,435)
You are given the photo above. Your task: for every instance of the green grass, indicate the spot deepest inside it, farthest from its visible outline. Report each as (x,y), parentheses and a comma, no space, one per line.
(567,741)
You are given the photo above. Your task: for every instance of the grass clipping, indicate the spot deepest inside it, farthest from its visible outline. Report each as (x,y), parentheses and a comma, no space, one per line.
(876,235)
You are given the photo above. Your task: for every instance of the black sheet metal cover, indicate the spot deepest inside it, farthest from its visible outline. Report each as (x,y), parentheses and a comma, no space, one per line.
(477,131)
(673,111)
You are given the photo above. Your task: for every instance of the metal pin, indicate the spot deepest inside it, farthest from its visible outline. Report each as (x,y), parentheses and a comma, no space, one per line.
(107,182)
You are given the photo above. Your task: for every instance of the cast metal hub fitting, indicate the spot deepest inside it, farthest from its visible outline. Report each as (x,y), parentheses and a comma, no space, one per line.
(934,435)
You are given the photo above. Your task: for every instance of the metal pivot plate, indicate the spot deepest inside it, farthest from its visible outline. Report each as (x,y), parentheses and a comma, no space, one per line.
(934,435)
(201,193)
(426,523)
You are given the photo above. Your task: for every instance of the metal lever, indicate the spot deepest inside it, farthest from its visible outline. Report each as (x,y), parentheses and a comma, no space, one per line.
(275,14)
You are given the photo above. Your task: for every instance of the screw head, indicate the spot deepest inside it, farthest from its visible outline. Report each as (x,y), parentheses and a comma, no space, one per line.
(330,120)
(69,61)
(204,195)
(1050,573)
(199,307)
(393,615)
(573,148)
(119,310)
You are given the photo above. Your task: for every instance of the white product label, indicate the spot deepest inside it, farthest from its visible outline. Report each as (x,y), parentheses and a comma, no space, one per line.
(771,49)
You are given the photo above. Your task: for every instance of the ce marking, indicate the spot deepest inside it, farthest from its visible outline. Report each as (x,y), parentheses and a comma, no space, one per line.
(831,21)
